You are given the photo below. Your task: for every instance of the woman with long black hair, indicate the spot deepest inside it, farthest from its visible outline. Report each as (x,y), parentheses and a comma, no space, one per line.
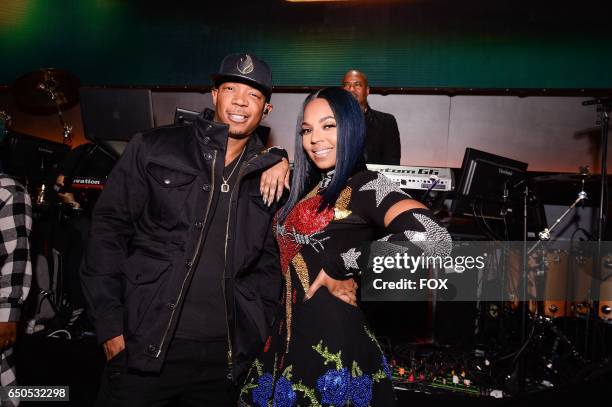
(321,351)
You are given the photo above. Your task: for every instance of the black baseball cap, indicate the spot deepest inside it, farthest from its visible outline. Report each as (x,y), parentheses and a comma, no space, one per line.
(245,68)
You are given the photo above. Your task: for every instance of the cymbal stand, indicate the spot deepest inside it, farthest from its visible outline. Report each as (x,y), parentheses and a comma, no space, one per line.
(49,87)
(544,235)
(523,292)
(540,320)
(604,106)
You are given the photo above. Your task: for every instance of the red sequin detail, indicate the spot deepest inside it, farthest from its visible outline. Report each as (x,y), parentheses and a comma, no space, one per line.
(294,295)
(305,220)
(280,326)
(281,363)
(268,343)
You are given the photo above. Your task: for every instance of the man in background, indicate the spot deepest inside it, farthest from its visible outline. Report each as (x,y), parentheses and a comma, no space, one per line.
(16,271)
(382,143)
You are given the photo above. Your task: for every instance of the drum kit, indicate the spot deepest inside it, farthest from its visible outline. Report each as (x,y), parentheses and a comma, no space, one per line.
(565,288)
(35,162)
(32,159)
(560,273)
(559,284)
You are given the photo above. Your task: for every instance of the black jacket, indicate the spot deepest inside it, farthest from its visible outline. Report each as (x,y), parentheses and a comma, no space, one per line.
(382,143)
(147,230)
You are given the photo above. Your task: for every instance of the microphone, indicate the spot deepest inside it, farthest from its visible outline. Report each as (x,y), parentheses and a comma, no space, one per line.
(435,180)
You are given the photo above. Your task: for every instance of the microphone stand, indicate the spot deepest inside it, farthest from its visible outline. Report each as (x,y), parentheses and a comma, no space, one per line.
(604,106)
(524,303)
(523,294)
(544,235)
(540,321)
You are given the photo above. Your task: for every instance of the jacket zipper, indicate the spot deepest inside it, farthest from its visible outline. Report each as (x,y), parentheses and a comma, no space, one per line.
(230,362)
(193,258)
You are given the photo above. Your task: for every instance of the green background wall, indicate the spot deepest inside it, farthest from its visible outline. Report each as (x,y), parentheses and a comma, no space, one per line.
(419,43)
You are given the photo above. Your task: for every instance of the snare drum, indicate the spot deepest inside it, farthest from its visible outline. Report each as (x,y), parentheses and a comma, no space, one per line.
(547,281)
(605,310)
(513,281)
(555,275)
(605,290)
(582,301)
(582,273)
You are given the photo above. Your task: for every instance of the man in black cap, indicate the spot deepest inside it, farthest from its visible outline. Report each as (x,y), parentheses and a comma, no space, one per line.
(181,274)
(382,143)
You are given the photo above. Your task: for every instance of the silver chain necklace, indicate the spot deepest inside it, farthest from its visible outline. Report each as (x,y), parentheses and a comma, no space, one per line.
(225,186)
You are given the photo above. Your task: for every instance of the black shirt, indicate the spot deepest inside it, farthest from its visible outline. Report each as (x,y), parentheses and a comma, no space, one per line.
(382,143)
(90,161)
(203,315)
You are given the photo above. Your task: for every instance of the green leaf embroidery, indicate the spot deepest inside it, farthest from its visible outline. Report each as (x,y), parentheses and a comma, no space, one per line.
(378,376)
(288,372)
(328,356)
(247,387)
(356,371)
(308,392)
(372,337)
(258,366)
(250,385)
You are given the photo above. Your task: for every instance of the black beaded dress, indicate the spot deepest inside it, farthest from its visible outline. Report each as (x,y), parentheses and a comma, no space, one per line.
(321,351)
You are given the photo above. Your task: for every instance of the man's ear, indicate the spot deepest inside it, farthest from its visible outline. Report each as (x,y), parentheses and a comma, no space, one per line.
(267,109)
(367,91)
(214,92)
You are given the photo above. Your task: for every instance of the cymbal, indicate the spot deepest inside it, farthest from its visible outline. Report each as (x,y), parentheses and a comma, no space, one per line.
(33,90)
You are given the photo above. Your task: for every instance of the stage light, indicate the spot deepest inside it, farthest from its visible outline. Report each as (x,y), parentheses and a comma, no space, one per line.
(367,2)
(13,12)
(318,1)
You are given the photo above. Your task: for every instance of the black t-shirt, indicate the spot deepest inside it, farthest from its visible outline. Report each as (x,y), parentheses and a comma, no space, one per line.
(382,143)
(90,161)
(203,314)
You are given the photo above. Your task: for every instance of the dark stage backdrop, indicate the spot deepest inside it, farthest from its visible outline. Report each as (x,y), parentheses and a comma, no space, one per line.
(412,43)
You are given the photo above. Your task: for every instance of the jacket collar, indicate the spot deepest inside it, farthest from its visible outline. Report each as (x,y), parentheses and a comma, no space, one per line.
(217,134)
(214,135)
(211,134)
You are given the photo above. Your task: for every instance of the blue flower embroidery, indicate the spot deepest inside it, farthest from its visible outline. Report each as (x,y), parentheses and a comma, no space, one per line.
(386,367)
(284,396)
(263,391)
(333,387)
(361,390)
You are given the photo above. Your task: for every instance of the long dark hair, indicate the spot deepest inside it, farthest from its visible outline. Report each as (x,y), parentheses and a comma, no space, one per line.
(350,124)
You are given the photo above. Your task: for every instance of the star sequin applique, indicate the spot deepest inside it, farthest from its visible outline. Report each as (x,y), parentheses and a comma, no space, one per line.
(435,240)
(350,259)
(382,186)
